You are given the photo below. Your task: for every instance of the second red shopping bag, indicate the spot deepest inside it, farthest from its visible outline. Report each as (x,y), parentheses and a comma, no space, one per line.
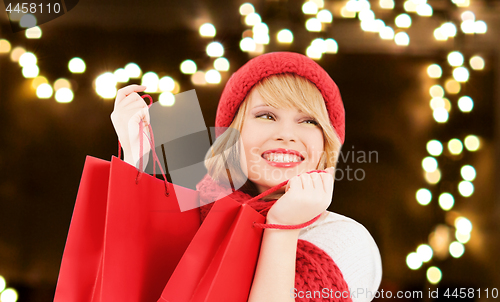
(226,243)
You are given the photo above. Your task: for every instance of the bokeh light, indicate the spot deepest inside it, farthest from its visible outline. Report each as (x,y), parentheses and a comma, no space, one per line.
(425,253)
(198,78)
(150,80)
(386,33)
(207,30)
(434,71)
(248,44)
(449,29)
(252,18)
(455,146)
(9,295)
(423,196)
(465,104)
(477,63)
(166,83)
(64,95)
(4,46)
(403,21)
(429,164)
(33,33)
(188,67)
(39,80)
(446,201)
(462,237)
(121,75)
(325,16)
(246,9)
(457,249)
(313,52)
(44,91)
(387,4)
(30,71)
(402,39)
(424,10)
(167,98)
(410,6)
(212,76)
(221,64)
(455,59)
(437,102)
(472,143)
(285,36)
(331,46)
(16,53)
(433,177)
(133,70)
(309,8)
(76,65)
(463,225)
(3,283)
(439,34)
(480,27)
(413,261)
(215,49)
(461,74)
(27,58)
(452,86)
(61,83)
(434,147)
(313,25)
(465,188)
(468,172)
(468,27)
(434,275)
(440,115)
(436,91)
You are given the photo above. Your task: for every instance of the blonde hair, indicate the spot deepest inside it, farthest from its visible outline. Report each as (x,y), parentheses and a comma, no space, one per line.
(288,91)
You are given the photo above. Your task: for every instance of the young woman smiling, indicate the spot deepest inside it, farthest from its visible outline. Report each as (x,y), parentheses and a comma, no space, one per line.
(289,118)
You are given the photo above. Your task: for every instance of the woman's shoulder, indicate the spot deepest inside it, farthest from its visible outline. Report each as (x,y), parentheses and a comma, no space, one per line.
(351,247)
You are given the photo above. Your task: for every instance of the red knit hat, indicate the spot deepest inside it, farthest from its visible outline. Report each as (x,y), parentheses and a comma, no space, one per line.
(260,67)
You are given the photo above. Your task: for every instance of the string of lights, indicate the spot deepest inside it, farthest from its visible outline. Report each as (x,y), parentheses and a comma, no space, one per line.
(256,39)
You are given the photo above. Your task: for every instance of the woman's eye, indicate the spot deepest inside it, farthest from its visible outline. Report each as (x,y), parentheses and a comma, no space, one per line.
(265,116)
(313,122)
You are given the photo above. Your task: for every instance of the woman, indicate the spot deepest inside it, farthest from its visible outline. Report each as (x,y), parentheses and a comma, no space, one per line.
(290,120)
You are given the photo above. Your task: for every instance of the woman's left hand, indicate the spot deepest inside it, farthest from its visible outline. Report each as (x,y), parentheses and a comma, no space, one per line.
(306,196)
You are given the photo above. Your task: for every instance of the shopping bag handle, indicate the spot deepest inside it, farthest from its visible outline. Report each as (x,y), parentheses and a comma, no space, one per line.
(141,148)
(280,226)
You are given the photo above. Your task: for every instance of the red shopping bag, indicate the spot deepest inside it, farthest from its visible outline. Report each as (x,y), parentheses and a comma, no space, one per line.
(125,237)
(226,236)
(83,251)
(220,262)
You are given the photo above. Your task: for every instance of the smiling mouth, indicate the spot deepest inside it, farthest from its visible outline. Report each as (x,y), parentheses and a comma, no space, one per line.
(282,157)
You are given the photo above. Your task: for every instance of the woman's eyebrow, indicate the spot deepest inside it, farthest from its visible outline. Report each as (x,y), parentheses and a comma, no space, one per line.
(262,105)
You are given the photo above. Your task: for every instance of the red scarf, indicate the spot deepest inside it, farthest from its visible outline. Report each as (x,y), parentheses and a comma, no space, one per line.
(317,277)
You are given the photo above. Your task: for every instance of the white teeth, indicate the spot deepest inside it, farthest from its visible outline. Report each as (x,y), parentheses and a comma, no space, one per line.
(279,157)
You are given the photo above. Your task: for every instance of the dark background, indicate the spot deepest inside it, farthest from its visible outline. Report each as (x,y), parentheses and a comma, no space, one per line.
(43,143)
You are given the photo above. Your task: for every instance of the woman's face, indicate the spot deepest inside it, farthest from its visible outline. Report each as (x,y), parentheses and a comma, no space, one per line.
(278,144)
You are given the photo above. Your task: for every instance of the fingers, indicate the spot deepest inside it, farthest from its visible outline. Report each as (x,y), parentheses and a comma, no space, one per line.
(125,91)
(294,183)
(307,181)
(131,101)
(327,182)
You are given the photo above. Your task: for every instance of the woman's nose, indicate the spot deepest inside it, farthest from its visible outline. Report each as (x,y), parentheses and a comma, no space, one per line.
(285,132)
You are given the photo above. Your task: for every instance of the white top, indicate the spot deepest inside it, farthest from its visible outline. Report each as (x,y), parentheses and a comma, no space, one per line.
(352,248)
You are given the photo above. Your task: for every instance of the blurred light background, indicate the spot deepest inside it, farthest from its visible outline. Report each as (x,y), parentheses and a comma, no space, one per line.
(420,82)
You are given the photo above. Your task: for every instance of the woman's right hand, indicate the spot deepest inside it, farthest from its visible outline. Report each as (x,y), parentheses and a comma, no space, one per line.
(129,111)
